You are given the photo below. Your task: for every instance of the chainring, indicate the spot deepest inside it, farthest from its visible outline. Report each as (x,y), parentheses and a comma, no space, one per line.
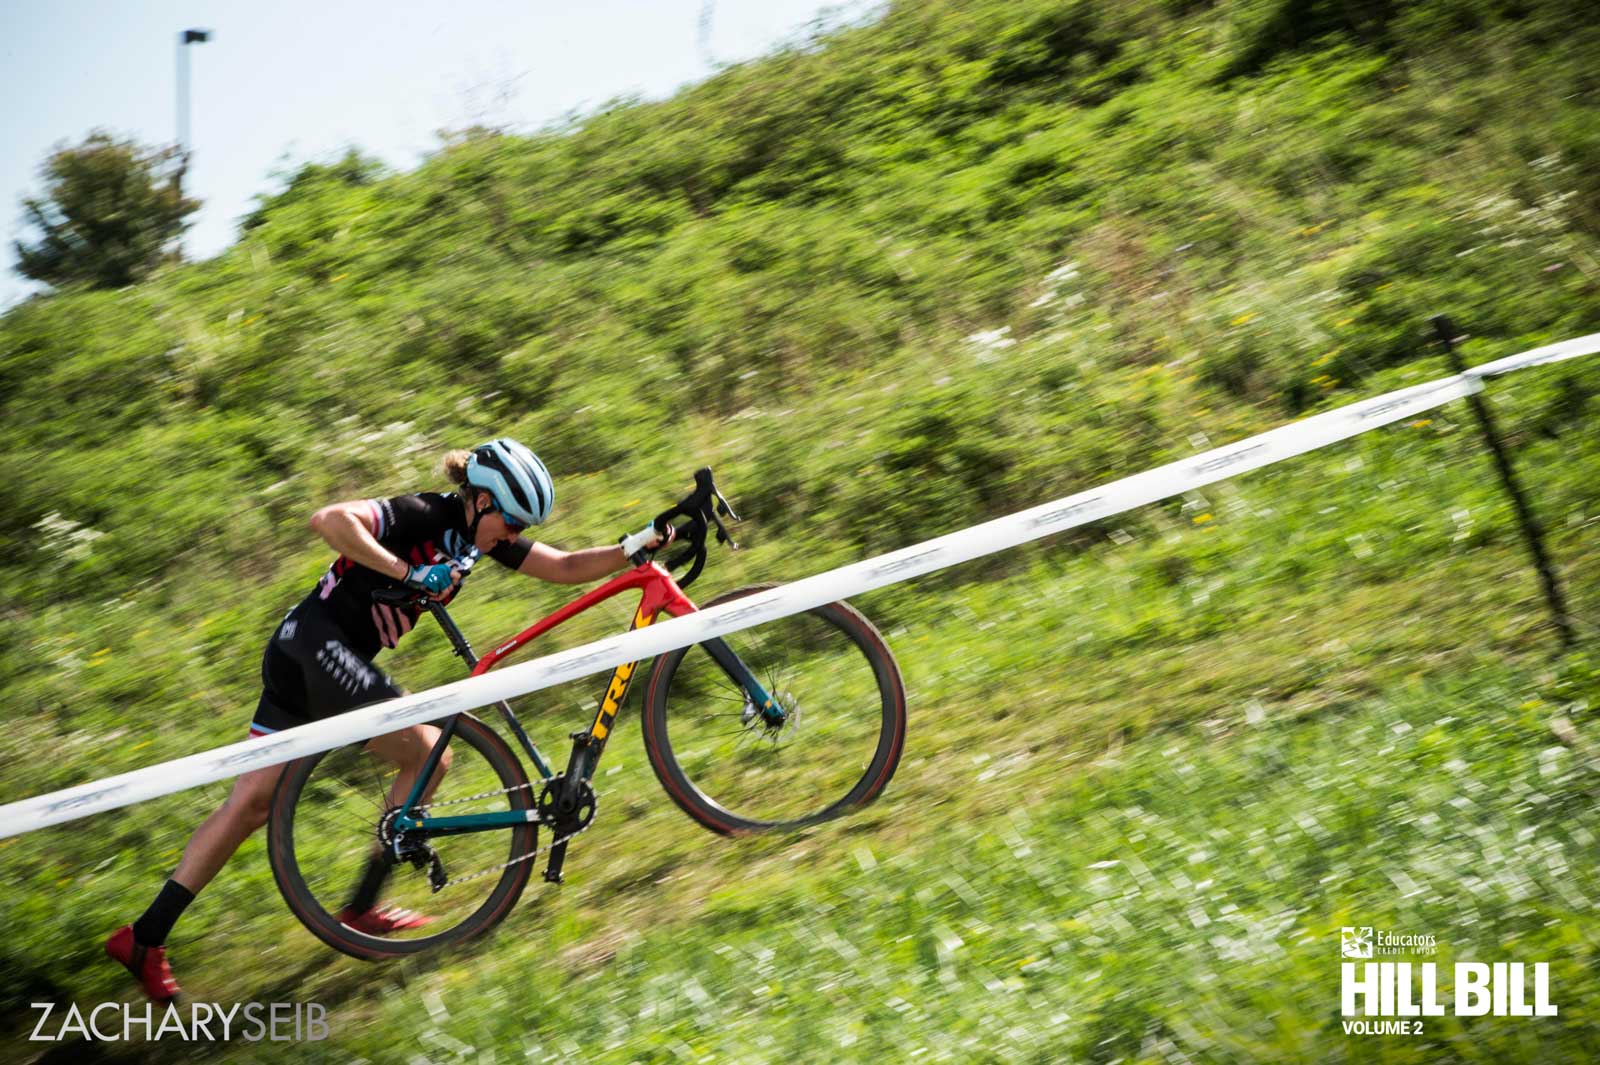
(573,819)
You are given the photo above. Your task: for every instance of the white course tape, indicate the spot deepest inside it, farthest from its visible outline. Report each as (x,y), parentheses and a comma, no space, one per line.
(1566,349)
(978,540)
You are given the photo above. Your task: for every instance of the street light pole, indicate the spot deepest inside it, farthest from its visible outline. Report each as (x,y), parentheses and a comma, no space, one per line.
(186,38)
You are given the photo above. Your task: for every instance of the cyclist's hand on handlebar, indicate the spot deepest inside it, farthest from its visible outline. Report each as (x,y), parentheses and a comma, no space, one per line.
(435,579)
(640,546)
(701,510)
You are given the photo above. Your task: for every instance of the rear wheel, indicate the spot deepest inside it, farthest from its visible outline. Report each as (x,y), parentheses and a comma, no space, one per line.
(734,771)
(331,810)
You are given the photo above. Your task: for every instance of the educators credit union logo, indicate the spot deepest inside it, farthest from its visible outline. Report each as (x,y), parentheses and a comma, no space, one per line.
(1355,942)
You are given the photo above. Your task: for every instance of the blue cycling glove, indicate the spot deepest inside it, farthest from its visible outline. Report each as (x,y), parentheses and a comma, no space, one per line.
(435,579)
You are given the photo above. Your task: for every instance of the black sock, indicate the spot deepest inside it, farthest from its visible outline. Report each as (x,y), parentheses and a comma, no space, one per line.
(371,883)
(152,929)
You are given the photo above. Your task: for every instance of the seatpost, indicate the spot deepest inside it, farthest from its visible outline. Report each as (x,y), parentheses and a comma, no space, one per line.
(457,640)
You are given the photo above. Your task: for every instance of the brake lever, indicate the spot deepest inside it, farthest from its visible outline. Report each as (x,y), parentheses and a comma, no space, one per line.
(700,507)
(722,530)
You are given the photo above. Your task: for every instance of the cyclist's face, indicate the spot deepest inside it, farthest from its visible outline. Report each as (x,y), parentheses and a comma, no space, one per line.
(494,527)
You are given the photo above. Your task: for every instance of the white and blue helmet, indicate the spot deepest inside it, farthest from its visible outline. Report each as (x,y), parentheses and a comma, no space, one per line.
(520,484)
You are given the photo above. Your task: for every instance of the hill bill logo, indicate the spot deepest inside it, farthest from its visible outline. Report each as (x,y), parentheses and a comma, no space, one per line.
(1355,942)
(1396,997)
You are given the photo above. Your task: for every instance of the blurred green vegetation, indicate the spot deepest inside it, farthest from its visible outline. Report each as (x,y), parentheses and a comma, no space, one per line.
(111,212)
(889,282)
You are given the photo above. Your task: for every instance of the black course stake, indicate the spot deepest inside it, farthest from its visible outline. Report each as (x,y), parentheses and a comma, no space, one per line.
(1531,532)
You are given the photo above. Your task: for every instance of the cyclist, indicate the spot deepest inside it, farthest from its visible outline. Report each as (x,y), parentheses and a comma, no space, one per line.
(319,661)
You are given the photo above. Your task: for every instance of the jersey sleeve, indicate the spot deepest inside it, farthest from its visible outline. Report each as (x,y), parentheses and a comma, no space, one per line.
(408,519)
(512,555)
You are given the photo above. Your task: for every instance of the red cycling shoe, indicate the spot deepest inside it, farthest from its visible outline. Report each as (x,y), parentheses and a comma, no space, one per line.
(147,964)
(376,922)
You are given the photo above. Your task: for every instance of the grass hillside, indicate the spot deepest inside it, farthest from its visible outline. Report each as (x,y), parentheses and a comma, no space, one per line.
(889,282)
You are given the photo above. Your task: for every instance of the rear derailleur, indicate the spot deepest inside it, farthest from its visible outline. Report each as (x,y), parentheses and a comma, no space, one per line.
(410,847)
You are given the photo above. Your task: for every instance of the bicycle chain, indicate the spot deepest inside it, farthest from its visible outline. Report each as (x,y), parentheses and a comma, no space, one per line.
(473,798)
(521,857)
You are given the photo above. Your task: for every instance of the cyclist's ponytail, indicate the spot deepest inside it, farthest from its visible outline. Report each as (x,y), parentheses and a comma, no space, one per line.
(455,466)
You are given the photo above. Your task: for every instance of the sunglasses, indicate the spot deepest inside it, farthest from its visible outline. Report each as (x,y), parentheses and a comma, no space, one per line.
(511,523)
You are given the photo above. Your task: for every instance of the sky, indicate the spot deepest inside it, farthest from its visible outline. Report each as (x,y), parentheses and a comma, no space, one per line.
(292,81)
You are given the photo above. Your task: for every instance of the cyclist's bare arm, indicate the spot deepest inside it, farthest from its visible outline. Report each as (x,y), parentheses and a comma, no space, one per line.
(347,527)
(572,567)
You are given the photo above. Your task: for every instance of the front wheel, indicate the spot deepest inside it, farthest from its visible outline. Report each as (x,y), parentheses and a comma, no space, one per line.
(735,769)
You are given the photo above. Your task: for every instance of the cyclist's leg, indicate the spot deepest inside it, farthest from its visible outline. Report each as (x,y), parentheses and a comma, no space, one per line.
(408,748)
(250,800)
(338,678)
(242,813)
(214,841)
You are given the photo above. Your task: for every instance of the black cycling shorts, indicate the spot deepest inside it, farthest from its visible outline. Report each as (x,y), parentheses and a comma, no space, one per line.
(310,672)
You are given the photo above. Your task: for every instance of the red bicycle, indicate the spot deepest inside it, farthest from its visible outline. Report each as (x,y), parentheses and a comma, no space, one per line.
(783,725)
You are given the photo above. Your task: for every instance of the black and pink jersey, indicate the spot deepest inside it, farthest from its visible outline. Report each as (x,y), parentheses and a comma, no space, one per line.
(421,529)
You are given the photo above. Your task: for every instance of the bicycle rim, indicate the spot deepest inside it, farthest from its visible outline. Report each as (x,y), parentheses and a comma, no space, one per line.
(325,830)
(837,748)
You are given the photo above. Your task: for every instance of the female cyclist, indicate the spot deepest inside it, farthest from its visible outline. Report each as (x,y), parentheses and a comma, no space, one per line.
(319,661)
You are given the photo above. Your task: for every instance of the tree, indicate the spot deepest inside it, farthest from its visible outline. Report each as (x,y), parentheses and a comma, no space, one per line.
(112,212)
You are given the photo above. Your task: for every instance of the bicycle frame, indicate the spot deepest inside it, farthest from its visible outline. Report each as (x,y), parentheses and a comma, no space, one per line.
(659,593)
